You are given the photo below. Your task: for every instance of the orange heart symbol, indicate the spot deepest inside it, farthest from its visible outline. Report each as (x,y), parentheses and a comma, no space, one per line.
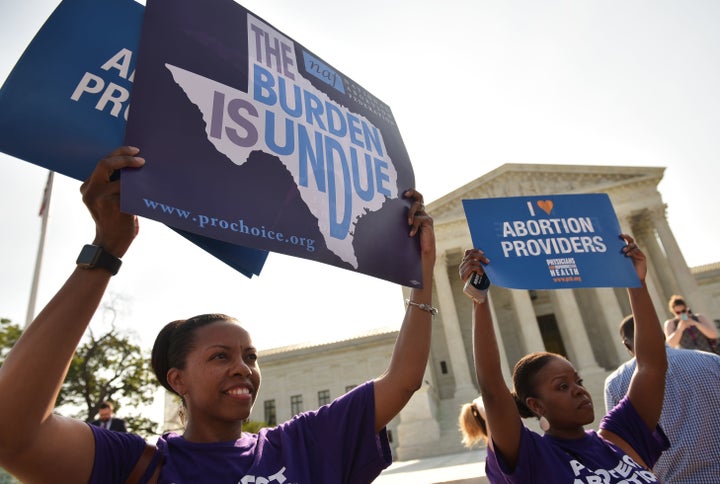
(545,205)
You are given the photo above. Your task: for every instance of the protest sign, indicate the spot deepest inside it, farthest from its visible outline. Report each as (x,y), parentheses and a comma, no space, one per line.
(550,242)
(252,139)
(65,104)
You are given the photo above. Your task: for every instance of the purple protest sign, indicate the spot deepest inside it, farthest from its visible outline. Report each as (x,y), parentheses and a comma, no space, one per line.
(253,140)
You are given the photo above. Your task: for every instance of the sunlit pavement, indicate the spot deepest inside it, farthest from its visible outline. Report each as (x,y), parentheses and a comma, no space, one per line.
(464,468)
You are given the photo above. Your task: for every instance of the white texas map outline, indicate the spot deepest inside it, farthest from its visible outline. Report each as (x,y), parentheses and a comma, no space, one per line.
(201,92)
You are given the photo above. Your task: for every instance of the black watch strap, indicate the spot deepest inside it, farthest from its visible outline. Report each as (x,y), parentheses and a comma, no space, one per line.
(92,256)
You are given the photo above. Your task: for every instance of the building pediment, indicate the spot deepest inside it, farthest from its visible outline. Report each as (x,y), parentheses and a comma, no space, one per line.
(517,179)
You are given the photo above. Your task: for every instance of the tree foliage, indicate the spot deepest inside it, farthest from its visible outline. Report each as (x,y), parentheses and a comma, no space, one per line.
(9,334)
(106,366)
(109,367)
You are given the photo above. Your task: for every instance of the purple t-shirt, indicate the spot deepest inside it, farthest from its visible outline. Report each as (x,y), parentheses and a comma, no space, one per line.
(590,459)
(336,443)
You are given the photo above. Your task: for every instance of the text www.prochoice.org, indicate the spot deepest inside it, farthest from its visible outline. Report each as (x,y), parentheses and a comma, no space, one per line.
(204,221)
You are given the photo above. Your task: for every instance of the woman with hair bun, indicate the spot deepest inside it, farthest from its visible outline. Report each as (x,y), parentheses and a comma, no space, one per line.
(547,387)
(211,363)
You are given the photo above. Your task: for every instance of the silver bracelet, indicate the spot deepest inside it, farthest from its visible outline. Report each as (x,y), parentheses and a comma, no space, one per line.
(425,307)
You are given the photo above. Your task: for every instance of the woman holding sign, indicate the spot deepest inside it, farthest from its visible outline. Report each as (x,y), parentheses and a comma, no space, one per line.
(211,363)
(548,387)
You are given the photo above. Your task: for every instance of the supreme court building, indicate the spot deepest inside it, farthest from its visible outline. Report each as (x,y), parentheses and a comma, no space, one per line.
(581,324)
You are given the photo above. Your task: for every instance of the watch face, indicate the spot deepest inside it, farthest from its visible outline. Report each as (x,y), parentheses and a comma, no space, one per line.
(88,256)
(92,256)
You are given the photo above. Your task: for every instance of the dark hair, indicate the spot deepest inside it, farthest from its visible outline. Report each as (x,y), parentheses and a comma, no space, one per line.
(524,378)
(175,341)
(627,332)
(107,404)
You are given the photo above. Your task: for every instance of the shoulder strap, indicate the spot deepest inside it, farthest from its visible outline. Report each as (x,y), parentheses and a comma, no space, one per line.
(142,465)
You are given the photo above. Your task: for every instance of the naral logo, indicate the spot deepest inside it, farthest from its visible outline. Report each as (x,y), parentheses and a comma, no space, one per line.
(279,477)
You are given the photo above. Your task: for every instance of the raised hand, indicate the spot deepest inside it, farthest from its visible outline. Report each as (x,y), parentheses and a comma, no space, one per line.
(633,251)
(114,230)
(421,222)
(472,261)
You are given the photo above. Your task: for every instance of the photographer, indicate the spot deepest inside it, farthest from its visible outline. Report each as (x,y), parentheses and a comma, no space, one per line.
(689,330)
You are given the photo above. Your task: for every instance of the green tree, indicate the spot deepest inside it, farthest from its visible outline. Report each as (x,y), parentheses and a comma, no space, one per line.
(109,367)
(9,334)
(105,367)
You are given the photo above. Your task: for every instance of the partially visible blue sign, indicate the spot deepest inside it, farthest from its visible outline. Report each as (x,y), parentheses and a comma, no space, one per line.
(65,104)
(550,242)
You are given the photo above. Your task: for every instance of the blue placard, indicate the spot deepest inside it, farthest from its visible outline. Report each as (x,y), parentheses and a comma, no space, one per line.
(550,242)
(254,140)
(65,104)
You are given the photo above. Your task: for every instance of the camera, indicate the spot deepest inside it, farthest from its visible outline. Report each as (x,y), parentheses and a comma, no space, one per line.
(476,287)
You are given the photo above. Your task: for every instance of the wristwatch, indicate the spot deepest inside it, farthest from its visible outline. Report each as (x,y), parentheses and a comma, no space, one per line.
(92,256)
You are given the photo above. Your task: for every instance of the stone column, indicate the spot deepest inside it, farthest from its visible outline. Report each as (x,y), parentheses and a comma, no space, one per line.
(658,263)
(504,365)
(418,429)
(688,286)
(573,330)
(612,314)
(658,298)
(527,320)
(636,226)
(464,388)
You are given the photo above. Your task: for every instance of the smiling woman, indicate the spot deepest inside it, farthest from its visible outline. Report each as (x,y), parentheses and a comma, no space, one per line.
(211,363)
(208,357)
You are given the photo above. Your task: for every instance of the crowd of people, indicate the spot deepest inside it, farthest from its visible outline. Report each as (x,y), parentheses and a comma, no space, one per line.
(660,405)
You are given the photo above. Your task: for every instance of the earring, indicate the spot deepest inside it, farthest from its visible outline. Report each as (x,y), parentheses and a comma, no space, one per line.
(544,424)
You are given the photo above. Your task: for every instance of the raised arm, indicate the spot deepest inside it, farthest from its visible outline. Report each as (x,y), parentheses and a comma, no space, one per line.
(500,408)
(647,387)
(404,375)
(37,445)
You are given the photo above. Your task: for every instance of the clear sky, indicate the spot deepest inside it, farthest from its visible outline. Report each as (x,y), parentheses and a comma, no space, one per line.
(473,84)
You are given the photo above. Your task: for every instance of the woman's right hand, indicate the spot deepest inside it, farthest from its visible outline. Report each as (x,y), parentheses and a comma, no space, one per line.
(473,261)
(114,230)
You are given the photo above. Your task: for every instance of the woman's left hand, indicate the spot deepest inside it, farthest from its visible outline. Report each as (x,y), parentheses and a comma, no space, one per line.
(421,222)
(633,251)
